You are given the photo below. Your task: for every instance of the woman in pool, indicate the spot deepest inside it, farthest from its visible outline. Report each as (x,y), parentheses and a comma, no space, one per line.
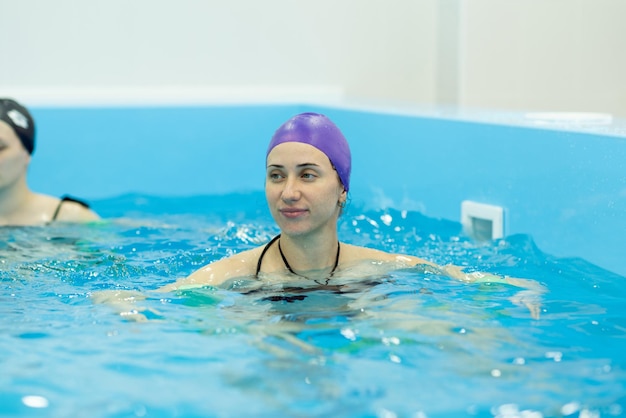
(19,205)
(307,180)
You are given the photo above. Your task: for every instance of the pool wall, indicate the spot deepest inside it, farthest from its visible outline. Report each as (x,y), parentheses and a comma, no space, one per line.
(566,189)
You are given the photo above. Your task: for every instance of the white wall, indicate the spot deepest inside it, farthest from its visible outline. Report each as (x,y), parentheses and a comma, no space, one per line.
(219,48)
(563,55)
(552,55)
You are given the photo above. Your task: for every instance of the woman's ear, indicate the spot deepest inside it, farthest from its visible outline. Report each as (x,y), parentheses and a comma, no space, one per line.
(343,197)
(27,161)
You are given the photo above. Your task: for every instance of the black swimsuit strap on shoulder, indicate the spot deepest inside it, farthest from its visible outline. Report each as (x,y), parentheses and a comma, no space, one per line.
(67,199)
(267,246)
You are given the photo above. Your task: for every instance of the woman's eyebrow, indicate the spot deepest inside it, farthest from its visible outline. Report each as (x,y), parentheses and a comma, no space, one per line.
(298,166)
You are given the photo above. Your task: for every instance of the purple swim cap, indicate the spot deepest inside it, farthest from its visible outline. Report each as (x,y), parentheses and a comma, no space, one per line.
(319,131)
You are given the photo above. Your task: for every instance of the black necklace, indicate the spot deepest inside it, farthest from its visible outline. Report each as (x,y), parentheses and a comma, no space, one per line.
(315,280)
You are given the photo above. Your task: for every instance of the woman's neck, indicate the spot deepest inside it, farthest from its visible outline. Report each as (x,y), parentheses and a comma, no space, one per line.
(310,253)
(15,201)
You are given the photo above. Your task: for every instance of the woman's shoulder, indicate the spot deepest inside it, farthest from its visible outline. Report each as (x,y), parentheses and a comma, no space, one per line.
(70,209)
(242,264)
(355,254)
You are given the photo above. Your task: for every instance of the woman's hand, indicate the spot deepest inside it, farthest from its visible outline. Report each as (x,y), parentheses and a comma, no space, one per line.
(125,303)
(530,298)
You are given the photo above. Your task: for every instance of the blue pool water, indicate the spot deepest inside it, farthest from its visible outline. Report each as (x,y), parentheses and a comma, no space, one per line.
(408,344)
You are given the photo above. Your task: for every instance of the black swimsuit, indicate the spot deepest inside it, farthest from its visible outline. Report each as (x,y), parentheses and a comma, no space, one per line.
(67,199)
(299,293)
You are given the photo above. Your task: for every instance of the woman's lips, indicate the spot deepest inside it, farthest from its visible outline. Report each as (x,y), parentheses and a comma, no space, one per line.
(292,212)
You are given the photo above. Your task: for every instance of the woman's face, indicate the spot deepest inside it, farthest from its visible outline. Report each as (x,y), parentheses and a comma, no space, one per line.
(14,158)
(302,189)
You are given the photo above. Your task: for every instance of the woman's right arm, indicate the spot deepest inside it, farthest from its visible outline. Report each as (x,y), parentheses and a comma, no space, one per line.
(217,272)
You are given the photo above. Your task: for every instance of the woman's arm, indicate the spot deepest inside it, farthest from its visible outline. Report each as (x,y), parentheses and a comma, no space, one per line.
(529,298)
(217,272)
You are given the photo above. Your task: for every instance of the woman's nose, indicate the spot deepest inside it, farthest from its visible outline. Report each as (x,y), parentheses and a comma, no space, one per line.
(291,190)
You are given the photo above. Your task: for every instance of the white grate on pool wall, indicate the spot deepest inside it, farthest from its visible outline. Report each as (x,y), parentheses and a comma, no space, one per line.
(482,221)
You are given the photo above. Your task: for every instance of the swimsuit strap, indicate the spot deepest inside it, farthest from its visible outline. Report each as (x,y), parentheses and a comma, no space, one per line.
(267,246)
(64,199)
